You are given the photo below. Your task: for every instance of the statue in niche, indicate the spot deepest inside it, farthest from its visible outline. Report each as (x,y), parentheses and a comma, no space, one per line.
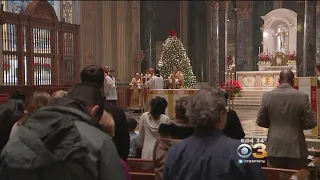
(282,38)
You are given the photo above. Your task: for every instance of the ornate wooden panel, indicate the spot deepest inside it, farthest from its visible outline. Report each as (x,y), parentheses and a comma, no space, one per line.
(37,48)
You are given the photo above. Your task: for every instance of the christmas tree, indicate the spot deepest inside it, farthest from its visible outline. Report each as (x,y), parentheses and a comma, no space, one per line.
(173,53)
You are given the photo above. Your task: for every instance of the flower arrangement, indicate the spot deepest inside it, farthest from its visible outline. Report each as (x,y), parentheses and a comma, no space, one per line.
(264,59)
(231,86)
(292,58)
(230,62)
(6,67)
(44,67)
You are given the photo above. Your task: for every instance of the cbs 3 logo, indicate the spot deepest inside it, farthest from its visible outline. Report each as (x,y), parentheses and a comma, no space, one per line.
(258,151)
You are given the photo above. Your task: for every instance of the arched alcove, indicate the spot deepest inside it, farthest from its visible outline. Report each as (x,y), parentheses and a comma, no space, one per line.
(280,31)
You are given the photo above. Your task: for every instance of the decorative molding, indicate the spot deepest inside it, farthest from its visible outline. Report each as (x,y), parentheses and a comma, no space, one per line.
(218,4)
(67,11)
(318,5)
(243,13)
(135,4)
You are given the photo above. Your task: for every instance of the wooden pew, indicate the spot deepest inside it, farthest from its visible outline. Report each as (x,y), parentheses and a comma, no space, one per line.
(140,165)
(142,176)
(313,168)
(143,169)
(314,152)
(285,174)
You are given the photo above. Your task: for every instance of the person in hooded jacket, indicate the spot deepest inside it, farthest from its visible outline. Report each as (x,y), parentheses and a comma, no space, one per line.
(62,141)
(149,126)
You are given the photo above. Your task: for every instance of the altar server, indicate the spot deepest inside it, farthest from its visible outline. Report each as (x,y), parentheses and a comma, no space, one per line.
(110,88)
(156,81)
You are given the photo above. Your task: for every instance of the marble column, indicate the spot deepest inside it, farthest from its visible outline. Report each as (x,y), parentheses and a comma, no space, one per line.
(318,33)
(216,59)
(184,23)
(242,40)
(147,34)
(300,37)
(197,39)
(309,50)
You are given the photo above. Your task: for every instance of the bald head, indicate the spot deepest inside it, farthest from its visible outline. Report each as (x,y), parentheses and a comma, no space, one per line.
(286,76)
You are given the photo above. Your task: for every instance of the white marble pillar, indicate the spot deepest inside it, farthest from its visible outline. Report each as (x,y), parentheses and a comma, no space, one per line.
(106,33)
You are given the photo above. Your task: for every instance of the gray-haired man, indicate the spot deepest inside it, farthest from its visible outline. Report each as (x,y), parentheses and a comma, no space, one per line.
(208,154)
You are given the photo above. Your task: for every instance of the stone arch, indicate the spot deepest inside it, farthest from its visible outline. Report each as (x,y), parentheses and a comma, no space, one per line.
(286,15)
(41,9)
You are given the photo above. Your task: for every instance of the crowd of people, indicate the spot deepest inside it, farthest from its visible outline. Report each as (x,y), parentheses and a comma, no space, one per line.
(83,134)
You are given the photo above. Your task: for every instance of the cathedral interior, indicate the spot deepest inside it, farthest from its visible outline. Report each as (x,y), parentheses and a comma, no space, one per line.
(45,44)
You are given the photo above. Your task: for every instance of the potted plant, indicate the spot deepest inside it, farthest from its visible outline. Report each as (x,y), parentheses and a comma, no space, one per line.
(232,87)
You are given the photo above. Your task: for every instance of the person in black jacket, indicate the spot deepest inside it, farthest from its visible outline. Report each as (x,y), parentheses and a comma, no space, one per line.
(233,128)
(10,113)
(121,138)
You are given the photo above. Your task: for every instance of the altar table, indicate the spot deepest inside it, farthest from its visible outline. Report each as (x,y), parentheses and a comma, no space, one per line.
(171,95)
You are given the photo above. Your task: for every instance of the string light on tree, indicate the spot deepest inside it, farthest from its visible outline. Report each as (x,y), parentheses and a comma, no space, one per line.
(174,54)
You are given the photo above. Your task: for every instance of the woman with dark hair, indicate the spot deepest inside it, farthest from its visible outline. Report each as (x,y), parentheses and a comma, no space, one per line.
(149,126)
(233,128)
(170,134)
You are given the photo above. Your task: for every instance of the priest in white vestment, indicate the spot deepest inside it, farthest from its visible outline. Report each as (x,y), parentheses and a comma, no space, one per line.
(156,81)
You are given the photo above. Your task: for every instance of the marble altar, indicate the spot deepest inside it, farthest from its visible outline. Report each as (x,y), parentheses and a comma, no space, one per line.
(171,95)
(258,80)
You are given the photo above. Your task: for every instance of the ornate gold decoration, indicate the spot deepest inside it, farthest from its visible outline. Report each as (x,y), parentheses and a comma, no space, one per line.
(267,80)
(243,12)
(279,59)
(249,80)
